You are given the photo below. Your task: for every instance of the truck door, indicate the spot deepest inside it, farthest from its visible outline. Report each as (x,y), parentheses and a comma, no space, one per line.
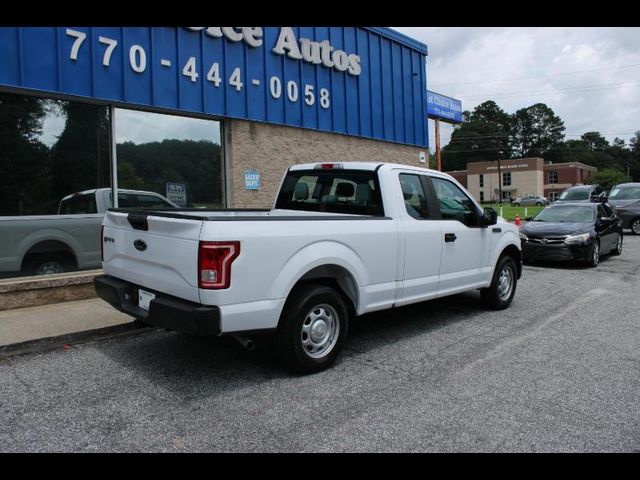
(465,243)
(419,222)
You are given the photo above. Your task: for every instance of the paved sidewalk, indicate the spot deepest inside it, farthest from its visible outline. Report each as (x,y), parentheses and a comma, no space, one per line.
(34,323)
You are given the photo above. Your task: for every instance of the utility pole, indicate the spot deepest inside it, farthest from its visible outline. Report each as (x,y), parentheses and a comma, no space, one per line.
(499,182)
(438,162)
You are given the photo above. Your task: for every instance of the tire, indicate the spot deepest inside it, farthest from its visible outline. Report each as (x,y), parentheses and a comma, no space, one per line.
(47,264)
(516,204)
(617,250)
(634,225)
(595,255)
(538,204)
(499,294)
(312,329)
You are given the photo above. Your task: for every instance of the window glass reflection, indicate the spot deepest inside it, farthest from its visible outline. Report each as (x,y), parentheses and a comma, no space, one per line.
(179,158)
(54,160)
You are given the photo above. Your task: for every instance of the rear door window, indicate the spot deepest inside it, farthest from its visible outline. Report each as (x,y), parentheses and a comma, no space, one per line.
(78,205)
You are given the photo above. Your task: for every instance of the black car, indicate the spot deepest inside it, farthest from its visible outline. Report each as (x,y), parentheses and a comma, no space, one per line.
(625,198)
(572,231)
(583,193)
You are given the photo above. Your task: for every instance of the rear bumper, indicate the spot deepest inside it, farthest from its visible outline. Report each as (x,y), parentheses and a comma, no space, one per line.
(164,311)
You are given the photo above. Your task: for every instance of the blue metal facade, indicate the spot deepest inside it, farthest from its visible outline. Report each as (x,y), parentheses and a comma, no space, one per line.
(172,68)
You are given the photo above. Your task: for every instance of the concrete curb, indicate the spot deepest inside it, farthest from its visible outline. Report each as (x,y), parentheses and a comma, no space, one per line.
(53,343)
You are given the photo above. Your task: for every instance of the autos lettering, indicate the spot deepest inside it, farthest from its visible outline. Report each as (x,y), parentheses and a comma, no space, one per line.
(317,53)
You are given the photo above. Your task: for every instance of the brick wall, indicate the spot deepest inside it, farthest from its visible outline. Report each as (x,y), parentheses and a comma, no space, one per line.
(270,149)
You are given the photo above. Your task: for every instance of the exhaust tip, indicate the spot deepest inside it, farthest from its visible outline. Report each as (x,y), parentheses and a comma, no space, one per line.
(247,343)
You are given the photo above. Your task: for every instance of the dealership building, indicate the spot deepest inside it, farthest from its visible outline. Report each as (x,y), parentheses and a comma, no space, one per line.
(521,176)
(207,117)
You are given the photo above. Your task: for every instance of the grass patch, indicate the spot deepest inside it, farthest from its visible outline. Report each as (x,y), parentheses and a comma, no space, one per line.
(509,212)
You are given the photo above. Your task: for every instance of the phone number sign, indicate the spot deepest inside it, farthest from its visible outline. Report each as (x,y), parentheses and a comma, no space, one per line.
(349,80)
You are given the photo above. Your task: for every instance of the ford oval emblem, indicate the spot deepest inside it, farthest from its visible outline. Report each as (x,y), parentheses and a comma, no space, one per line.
(140,245)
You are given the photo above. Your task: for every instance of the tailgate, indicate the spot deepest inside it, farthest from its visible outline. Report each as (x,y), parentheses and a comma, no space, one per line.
(160,253)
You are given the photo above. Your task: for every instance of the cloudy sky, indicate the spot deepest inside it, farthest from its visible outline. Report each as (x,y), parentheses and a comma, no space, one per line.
(590,77)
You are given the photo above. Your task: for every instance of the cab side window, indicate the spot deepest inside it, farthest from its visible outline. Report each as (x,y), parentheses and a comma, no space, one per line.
(415,199)
(454,203)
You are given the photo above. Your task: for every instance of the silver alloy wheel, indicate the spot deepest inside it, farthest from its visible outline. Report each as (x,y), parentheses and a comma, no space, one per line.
(49,268)
(635,226)
(320,331)
(595,257)
(505,283)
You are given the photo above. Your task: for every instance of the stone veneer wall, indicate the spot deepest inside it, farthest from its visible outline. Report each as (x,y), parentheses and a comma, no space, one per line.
(271,149)
(43,290)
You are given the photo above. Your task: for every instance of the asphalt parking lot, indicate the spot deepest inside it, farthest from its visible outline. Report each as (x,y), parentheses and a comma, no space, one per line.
(558,371)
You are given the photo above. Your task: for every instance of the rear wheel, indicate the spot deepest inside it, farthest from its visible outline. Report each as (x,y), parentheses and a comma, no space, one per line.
(539,204)
(47,264)
(516,204)
(595,255)
(312,329)
(499,294)
(635,226)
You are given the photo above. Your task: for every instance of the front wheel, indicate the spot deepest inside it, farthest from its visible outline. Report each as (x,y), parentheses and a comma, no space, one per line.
(595,255)
(499,294)
(617,250)
(635,226)
(312,329)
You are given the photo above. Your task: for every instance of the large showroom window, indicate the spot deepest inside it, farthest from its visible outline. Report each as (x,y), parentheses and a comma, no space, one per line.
(55,180)
(176,157)
(50,151)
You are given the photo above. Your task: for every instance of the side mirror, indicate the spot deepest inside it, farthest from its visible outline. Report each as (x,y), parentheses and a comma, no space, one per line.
(528,219)
(490,216)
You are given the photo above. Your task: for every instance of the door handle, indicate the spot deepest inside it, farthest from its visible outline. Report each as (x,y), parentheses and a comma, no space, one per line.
(450,237)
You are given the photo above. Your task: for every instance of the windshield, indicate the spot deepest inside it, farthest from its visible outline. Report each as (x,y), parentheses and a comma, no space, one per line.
(580,194)
(573,214)
(629,193)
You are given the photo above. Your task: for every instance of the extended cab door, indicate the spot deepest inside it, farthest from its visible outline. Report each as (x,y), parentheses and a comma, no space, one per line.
(418,220)
(465,242)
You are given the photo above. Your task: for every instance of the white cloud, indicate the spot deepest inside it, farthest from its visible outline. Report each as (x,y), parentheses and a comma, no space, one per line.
(499,63)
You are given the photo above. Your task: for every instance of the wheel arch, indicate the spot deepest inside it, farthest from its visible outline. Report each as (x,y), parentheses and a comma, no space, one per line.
(335,276)
(57,247)
(514,252)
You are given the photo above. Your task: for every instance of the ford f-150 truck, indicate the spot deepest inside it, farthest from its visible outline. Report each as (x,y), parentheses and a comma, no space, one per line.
(70,240)
(343,239)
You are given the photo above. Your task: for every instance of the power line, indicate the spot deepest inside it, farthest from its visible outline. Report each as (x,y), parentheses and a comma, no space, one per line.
(604,86)
(492,136)
(536,76)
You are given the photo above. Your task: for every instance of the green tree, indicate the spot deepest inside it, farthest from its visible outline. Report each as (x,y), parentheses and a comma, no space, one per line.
(634,142)
(80,157)
(536,130)
(595,141)
(608,177)
(483,135)
(24,166)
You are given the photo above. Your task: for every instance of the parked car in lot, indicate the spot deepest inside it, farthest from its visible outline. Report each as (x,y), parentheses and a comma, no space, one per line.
(342,240)
(47,244)
(583,193)
(625,198)
(529,200)
(572,231)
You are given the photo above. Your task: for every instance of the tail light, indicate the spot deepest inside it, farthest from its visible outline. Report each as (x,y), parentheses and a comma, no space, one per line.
(102,243)
(214,263)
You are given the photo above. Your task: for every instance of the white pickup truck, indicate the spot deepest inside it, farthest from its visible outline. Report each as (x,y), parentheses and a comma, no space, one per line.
(343,239)
(70,240)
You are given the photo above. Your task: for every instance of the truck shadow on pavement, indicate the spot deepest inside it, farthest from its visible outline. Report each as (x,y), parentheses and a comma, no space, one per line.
(209,365)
